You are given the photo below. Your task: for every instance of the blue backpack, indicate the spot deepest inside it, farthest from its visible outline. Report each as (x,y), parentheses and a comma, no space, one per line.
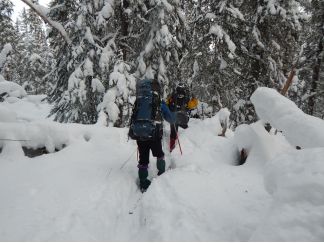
(146,121)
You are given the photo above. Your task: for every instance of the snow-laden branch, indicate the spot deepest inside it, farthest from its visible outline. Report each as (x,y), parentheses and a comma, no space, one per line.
(41,11)
(4,53)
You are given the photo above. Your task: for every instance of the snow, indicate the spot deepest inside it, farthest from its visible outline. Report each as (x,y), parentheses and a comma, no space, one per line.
(35,57)
(210,16)
(216,30)
(108,10)
(296,182)
(97,86)
(4,53)
(165,36)
(6,115)
(12,89)
(107,55)
(284,115)
(259,144)
(239,104)
(223,64)
(75,79)
(42,12)
(29,108)
(220,34)
(223,115)
(235,12)
(88,67)
(109,105)
(276,45)
(295,178)
(271,7)
(167,5)
(88,36)
(256,34)
(85,190)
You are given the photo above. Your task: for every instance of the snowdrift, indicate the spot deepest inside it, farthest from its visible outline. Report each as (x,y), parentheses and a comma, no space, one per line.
(86,190)
(294,178)
(12,89)
(299,128)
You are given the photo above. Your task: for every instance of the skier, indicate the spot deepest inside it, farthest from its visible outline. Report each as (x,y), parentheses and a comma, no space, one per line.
(147,129)
(181,105)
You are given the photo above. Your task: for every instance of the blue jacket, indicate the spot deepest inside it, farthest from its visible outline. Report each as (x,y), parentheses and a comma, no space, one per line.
(167,114)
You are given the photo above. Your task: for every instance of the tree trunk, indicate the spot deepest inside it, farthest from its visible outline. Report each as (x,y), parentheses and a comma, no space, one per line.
(315,78)
(124,24)
(289,81)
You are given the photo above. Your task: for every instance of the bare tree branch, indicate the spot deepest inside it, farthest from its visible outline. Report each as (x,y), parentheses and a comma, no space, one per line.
(37,8)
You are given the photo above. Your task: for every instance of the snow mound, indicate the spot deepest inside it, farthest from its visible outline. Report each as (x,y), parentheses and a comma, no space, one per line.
(36,99)
(260,145)
(12,89)
(294,178)
(7,115)
(51,135)
(299,128)
(29,108)
(296,181)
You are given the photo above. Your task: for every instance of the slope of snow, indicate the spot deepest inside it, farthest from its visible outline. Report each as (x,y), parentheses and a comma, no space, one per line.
(294,178)
(87,190)
(296,182)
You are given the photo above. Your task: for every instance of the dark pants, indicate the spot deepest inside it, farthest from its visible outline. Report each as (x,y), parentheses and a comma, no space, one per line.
(144,148)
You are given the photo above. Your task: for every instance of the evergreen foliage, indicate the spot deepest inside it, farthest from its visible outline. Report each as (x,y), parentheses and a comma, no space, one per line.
(8,35)
(222,49)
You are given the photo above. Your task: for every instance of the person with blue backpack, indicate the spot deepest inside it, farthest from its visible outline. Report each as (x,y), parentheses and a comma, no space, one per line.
(147,129)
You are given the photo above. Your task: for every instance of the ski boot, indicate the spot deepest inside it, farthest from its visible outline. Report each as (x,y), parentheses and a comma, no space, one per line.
(160,165)
(144,183)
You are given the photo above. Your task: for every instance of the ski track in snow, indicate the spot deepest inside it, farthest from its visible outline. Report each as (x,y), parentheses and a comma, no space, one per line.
(81,193)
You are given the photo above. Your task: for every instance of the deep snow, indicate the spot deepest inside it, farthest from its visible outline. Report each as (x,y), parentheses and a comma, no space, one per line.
(87,190)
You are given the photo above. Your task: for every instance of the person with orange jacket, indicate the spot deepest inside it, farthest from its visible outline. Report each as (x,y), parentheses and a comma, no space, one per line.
(180,104)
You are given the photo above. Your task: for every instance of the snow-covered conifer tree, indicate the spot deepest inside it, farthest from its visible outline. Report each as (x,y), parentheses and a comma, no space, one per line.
(8,36)
(78,73)
(239,45)
(315,65)
(161,36)
(33,53)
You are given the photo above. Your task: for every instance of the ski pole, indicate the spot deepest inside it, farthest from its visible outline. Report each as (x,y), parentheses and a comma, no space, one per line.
(126,161)
(179,144)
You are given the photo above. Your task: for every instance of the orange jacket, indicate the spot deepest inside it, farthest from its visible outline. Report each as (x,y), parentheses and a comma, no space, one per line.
(192,104)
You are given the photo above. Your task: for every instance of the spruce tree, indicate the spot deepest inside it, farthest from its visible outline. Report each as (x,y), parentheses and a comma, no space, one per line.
(77,71)
(8,35)
(316,64)
(34,58)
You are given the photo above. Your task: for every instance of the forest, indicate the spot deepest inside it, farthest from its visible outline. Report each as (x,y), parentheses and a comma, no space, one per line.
(86,55)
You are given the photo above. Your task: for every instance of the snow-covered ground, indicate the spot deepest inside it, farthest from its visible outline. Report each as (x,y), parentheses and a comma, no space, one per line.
(87,190)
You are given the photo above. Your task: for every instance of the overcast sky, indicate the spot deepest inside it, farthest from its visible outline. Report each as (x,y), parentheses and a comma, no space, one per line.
(18,6)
